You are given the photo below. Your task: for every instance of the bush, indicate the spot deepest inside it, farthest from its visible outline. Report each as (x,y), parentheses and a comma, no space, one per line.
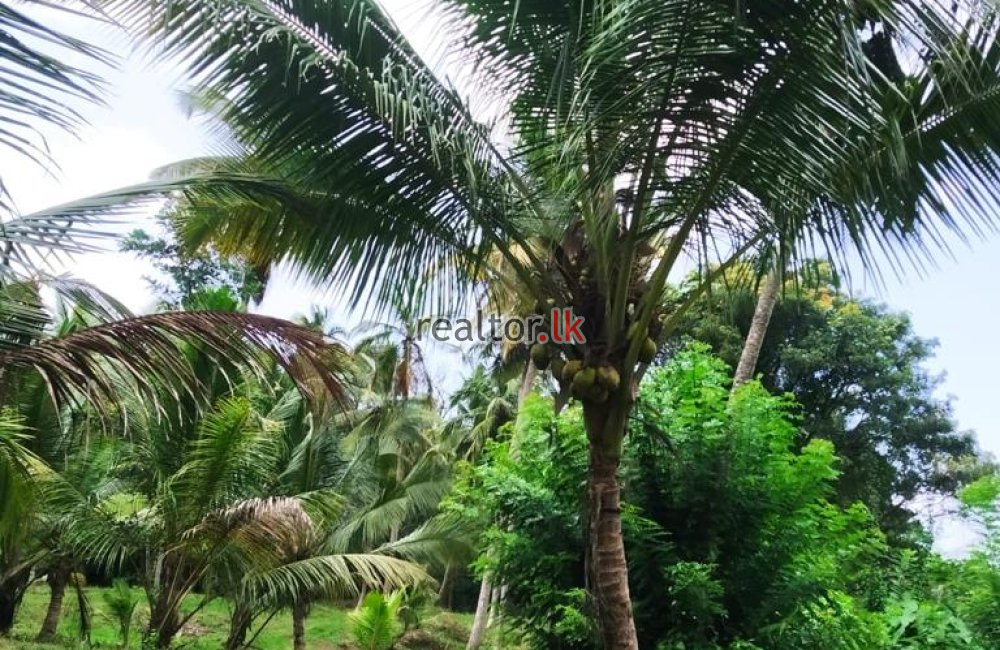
(122,601)
(375,625)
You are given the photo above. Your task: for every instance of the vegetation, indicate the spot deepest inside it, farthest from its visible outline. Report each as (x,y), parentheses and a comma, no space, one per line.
(260,481)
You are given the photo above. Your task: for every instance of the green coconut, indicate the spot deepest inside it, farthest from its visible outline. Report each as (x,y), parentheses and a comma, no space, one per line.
(585,378)
(608,377)
(570,369)
(540,355)
(648,350)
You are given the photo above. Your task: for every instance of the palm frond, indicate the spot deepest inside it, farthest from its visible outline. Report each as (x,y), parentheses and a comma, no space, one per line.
(334,576)
(147,354)
(402,156)
(39,88)
(19,468)
(234,455)
(441,541)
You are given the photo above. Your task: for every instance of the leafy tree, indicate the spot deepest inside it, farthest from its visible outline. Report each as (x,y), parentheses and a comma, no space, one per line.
(857,371)
(636,130)
(731,533)
(191,273)
(726,480)
(526,471)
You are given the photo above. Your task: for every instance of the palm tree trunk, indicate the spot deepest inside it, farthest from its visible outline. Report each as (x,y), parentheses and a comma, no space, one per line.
(11,592)
(299,611)
(239,625)
(482,614)
(164,619)
(758,329)
(608,570)
(447,587)
(527,382)
(607,553)
(57,579)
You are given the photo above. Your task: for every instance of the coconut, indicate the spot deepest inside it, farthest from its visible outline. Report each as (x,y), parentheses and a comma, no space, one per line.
(585,378)
(570,369)
(607,377)
(648,351)
(540,355)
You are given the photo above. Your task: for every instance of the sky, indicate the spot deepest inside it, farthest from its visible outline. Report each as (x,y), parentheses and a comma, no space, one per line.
(143,126)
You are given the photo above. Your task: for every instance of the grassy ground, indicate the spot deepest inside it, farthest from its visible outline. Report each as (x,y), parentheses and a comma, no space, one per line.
(326,627)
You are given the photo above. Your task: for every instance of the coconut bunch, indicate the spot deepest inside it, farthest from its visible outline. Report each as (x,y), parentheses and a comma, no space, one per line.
(591,371)
(593,379)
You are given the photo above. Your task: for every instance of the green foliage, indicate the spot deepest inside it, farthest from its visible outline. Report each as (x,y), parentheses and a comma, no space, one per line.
(982,494)
(18,465)
(122,601)
(525,497)
(190,273)
(832,621)
(731,534)
(857,372)
(927,626)
(726,480)
(375,625)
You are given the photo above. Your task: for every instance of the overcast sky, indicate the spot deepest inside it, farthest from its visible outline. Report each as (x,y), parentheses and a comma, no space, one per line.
(143,127)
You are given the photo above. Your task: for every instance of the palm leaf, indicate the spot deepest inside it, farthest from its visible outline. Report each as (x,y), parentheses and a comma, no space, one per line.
(340,576)
(19,468)
(38,87)
(147,353)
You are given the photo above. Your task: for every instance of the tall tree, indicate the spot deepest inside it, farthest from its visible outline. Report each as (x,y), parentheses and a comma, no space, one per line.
(636,130)
(858,371)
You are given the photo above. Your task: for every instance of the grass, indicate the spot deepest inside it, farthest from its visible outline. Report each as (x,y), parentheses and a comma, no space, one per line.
(327,627)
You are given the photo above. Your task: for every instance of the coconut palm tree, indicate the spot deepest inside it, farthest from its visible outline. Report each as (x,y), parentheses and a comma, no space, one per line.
(196,504)
(629,132)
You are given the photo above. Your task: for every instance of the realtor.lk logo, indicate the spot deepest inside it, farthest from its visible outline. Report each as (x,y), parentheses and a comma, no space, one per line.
(559,326)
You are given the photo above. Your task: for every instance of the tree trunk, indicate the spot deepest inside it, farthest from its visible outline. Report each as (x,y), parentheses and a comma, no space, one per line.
(484,611)
(609,570)
(239,626)
(8,606)
(482,614)
(527,382)
(299,611)
(494,606)
(11,593)
(758,329)
(164,621)
(447,587)
(57,579)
